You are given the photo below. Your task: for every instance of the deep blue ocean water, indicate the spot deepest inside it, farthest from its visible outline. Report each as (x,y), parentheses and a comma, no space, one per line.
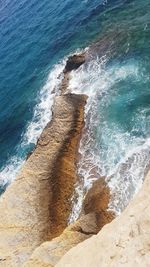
(35,39)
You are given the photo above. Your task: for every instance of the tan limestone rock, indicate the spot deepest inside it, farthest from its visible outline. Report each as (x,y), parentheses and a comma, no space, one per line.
(123,242)
(95,207)
(45,183)
(97,200)
(49,253)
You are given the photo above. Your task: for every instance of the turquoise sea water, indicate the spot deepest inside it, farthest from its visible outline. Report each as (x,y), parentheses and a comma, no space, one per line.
(36,38)
(116,142)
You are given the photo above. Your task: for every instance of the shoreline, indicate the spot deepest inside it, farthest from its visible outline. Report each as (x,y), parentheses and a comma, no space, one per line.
(35,208)
(30,206)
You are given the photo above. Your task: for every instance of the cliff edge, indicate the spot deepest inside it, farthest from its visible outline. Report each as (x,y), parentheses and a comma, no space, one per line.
(36,206)
(123,242)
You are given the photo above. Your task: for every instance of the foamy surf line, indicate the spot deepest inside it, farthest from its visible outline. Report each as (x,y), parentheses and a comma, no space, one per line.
(42,115)
(126,177)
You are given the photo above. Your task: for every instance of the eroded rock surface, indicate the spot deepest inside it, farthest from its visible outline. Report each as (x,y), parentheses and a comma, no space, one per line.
(97,200)
(74,62)
(35,206)
(49,253)
(95,207)
(123,242)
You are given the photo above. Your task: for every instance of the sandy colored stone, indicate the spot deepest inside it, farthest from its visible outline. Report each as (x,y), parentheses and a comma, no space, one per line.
(97,200)
(123,242)
(49,253)
(39,198)
(64,174)
(95,207)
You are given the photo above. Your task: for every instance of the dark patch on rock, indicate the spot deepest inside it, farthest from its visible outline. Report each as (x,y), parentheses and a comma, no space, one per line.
(64,173)
(74,62)
(97,200)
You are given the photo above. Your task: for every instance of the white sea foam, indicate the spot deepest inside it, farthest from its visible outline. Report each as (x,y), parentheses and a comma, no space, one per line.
(128,176)
(8,173)
(43,110)
(116,154)
(42,115)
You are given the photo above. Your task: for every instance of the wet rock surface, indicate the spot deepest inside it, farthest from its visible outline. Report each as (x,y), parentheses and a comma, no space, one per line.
(74,62)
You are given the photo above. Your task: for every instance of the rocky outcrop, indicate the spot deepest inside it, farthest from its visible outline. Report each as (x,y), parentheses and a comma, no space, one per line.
(97,200)
(74,62)
(123,242)
(35,207)
(95,207)
(49,253)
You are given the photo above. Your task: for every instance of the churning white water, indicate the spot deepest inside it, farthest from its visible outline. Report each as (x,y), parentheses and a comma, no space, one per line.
(109,147)
(42,115)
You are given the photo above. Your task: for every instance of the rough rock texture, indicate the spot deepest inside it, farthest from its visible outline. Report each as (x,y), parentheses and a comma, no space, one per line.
(123,242)
(74,62)
(35,208)
(65,82)
(95,207)
(49,253)
(39,198)
(97,201)
(64,173)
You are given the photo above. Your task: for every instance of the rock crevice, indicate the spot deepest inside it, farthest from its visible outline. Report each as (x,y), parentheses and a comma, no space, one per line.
(123,242)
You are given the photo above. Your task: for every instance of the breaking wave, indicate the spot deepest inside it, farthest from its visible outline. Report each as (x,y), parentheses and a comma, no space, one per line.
(42,115)
(116,138)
